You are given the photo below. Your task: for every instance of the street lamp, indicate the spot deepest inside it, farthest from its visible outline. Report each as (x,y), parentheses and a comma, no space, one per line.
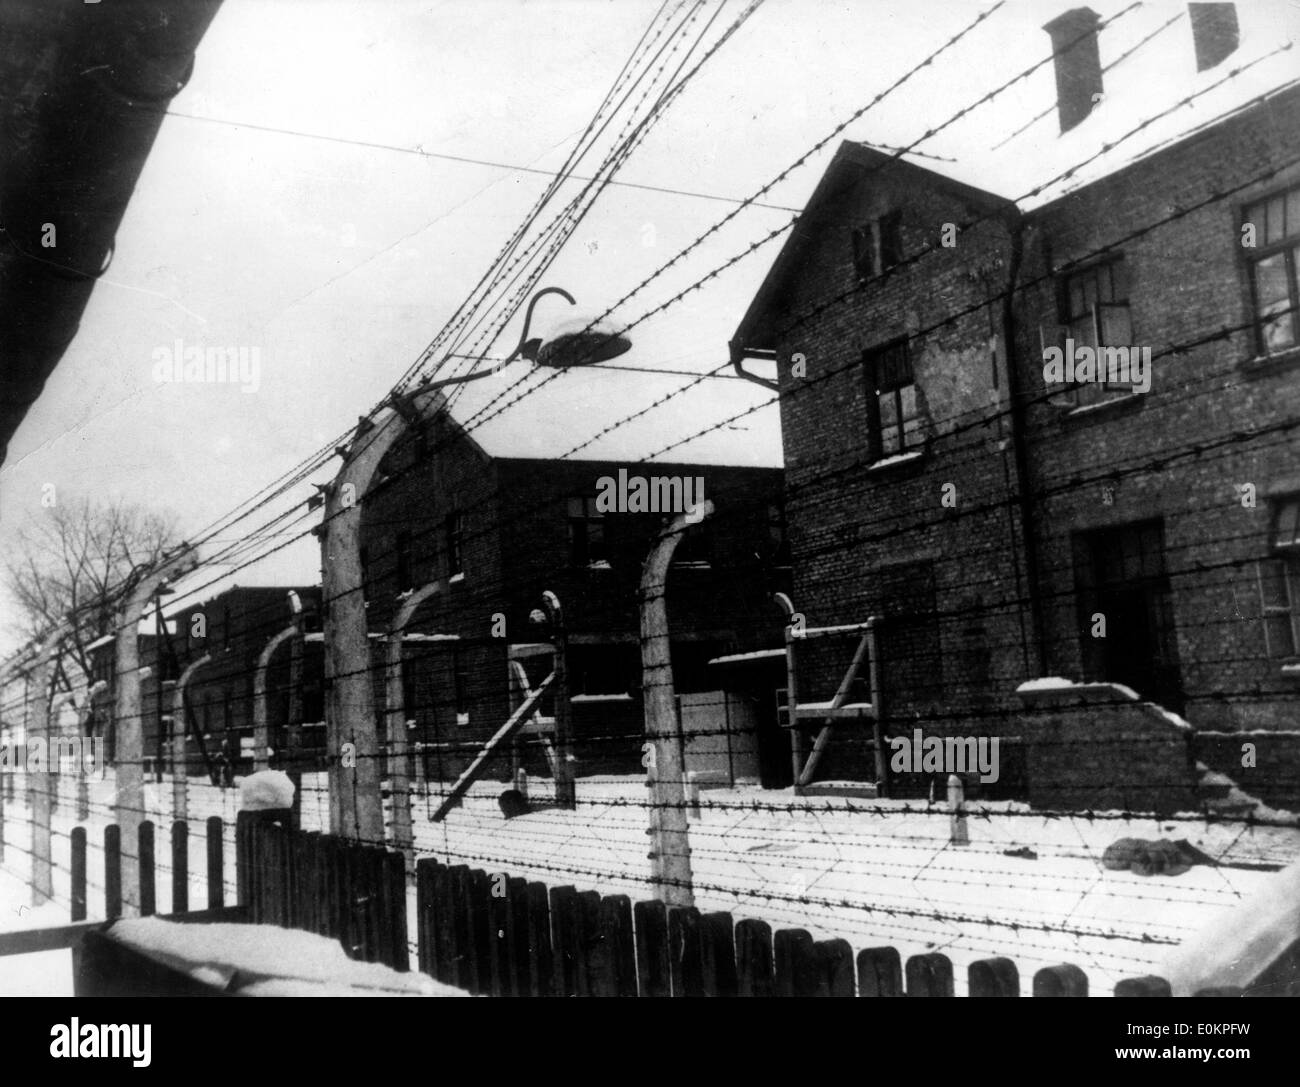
(351,732)
(574,343)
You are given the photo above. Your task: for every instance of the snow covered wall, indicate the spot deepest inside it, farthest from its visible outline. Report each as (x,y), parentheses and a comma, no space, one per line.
(1251,942)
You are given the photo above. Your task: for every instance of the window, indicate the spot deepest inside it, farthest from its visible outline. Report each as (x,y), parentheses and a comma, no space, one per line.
(1094,311)
(364,557)
(893,424)
(402,560)
(1279,582)
(1121,575)
(587,533)
(1273,279)
(877,245)
(225,626)
(454,533)
(604,669)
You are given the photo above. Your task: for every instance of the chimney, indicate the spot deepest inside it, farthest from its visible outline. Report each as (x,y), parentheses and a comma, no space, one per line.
(1214,33)
(1078,63)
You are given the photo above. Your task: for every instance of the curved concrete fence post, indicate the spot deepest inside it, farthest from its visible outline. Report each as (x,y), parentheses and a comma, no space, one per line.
(83,780)
(128,807)
(39,781)
(399,775)
(670,850)
(351,729)
(180,752)
(261,729)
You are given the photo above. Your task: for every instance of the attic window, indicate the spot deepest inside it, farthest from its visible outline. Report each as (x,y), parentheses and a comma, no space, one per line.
(877,245)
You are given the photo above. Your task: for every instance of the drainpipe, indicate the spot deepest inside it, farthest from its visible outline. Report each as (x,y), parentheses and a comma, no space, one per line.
(1016,403)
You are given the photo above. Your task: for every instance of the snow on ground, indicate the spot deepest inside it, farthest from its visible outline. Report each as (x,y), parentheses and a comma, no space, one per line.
(879,873)
(47,973)
(875,872)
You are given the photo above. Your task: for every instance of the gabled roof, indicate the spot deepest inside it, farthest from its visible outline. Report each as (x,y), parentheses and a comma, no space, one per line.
(850,163)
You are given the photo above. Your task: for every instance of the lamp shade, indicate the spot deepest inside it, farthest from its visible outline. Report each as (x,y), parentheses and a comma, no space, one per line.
(579,343)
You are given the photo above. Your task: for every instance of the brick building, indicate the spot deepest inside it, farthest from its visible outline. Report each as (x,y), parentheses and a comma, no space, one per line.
(233,629)
(936,479)
(502,521)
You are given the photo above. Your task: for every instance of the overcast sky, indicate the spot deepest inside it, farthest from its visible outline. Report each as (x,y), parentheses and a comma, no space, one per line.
(340,262)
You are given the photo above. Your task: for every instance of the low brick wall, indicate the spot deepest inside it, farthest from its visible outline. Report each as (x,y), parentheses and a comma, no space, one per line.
(1093,748)
(1275,776)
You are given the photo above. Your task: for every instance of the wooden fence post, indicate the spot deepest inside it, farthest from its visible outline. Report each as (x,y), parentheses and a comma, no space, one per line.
(652,958)
(880,972)
(466,972)
(541,952)
(754,958)
(565,938)
(795,963)
(686,959)
(517,936)
(1149,985)
(78,873)
(216,873)
(929,975)
(993,977)
(148,890)
(180,867)
(717,932)
(616,960)
(1063,980)
(834,961)
(500,966)
(427,958)
(445,918)
(112,871)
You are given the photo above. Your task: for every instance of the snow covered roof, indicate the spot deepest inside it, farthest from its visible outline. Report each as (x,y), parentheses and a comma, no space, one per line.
(1153,97)
(1148,67)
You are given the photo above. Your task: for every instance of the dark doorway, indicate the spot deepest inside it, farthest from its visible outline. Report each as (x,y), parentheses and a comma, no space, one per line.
(1120,574)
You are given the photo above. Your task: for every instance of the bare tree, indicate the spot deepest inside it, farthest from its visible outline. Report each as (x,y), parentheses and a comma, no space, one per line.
(72,560)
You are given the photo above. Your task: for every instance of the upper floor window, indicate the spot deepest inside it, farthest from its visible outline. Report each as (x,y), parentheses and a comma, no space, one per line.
(1273,260)
(877,245)
(893,423)
(1094,312)
(454,539)
(587,533)
(1279,581)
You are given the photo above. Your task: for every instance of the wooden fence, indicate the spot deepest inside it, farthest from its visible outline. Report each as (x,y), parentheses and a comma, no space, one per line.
(147,851)
(330,886)
(498,935)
